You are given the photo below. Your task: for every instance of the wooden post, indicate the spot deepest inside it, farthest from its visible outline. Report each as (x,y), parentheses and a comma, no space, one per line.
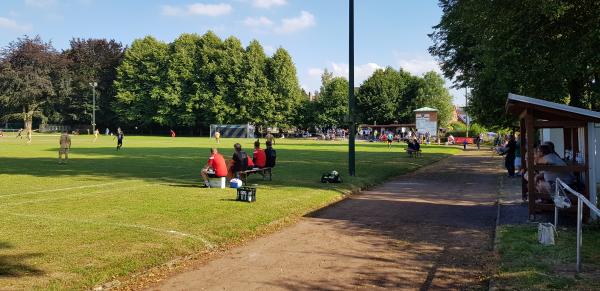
(523,149)
(529,119)
(586,162)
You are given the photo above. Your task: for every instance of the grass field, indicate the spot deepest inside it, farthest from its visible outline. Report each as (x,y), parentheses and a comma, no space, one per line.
(109,214)
(527,265)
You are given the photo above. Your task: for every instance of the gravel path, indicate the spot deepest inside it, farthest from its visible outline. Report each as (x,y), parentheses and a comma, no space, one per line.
(431,229)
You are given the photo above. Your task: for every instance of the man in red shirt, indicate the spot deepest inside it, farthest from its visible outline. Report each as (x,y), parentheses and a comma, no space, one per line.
(260,159)
(214,168)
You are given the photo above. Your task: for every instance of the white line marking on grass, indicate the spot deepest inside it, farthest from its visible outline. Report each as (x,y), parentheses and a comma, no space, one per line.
(72,196)
(63,189)
(125,225)
(83,187)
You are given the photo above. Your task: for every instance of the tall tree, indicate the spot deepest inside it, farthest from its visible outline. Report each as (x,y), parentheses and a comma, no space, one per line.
(433,93)
(91,60)
(387,96)
(332,105)
(180,91)
(285,87)
(31,76)
(256,100)
(140,84)
(545,49)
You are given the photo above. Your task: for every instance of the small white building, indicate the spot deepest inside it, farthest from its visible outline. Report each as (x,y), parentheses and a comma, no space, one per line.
(426,120)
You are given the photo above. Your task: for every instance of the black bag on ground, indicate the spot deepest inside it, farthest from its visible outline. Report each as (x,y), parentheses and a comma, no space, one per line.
(333,177)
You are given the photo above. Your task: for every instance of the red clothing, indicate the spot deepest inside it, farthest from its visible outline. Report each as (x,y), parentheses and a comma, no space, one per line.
(217,162)
(260,158)
(250,163)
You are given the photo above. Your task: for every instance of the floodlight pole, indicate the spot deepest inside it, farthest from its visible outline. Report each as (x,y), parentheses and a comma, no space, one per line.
(93,85)
(351,101)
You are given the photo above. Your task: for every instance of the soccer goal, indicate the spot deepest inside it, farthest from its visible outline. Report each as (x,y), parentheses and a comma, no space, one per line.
(233,130)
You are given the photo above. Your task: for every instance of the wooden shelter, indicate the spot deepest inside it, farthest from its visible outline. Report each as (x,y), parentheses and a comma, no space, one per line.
(578,133)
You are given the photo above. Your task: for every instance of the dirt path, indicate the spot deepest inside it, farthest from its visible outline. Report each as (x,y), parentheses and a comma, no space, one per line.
(431,229)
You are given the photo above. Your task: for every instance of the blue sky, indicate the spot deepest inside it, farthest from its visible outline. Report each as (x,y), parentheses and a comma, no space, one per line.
(315,32)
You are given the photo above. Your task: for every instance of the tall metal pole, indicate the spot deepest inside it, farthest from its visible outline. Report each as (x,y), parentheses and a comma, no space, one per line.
(351,101)
(94,109)
(93,85)
(467,119)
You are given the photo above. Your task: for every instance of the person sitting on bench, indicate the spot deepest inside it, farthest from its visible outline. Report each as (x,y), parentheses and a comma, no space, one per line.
(413,147)
(259,156)
(271,155)
(214,168)
(239,161)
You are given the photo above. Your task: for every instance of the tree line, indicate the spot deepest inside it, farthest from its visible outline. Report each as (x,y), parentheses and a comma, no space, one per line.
(543,49)
(192,82)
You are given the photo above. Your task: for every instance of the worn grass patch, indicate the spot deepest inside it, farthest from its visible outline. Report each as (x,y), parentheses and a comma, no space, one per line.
(108,213)
(527,265)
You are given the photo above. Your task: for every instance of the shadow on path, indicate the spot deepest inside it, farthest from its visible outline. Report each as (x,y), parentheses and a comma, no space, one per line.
(431,229)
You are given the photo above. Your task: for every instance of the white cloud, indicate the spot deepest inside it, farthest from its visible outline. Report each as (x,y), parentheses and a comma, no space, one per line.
(361,72)
(40,3)
(416,64)
(257,22)
(10,24)
(197,9)
(315,72)
(303,21)
(268,3)
(269,49)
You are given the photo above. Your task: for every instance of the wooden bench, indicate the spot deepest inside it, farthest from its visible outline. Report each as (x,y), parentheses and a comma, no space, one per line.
(262,171)
(415,154)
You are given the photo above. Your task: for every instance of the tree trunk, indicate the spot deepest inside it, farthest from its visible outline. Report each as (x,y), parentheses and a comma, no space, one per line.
(576,87)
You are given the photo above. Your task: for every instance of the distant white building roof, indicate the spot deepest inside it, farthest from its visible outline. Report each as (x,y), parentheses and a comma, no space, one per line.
(426,109)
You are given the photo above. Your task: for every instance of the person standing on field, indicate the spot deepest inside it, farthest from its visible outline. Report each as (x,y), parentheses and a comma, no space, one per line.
(65,146)
(217,136)
(119,138)
(270,138)
(96,133)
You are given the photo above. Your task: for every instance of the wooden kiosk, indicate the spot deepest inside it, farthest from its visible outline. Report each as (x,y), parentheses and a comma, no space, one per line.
(578,130)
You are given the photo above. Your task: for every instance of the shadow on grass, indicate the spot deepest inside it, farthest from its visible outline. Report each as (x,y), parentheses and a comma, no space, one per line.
(180,166)
(12,266)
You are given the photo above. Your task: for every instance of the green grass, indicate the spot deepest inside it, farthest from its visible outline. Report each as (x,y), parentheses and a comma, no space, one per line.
(527,265)
(109,214)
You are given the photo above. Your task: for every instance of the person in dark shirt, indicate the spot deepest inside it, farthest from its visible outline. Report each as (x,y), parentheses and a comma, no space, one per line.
(271,155)
(509,160)
(239,160)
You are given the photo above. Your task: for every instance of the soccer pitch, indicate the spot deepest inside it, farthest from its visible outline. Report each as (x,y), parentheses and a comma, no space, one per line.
(108,214)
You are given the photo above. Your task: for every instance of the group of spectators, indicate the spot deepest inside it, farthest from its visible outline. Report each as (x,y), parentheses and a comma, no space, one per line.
(544,154)
(216,167)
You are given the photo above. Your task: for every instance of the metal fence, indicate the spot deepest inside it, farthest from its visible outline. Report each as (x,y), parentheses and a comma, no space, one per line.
(561,188)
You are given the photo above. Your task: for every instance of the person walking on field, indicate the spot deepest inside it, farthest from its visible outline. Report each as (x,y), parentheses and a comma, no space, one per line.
(19,133)
(65,146)
(217,136)
(390,139)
